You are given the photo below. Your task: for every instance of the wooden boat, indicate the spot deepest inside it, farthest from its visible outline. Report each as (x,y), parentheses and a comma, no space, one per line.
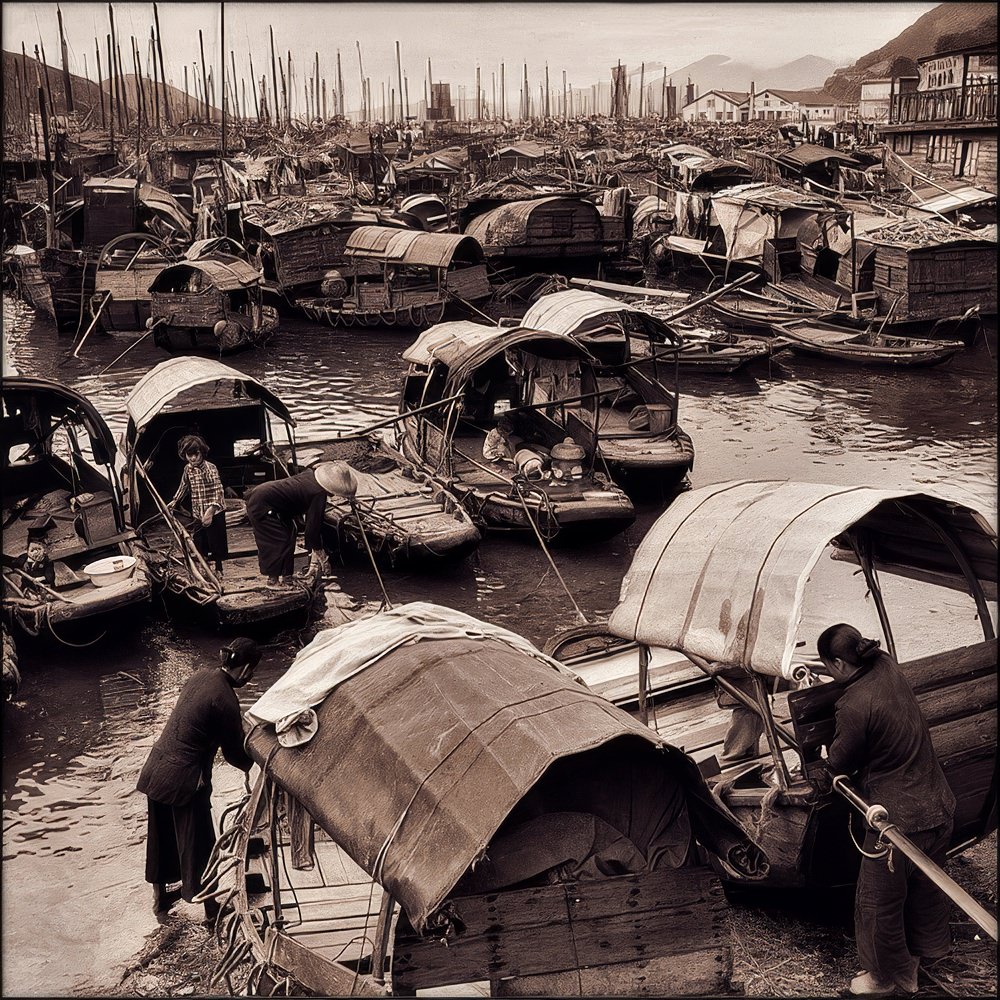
(210,305)
(541,834)
(462,378)
(407,519)
(234,413)
(719,351)
(760,311)
(60,468)
(126,267)
(832,340)
(422,274)
(58,284)
(637,412)
(736,552)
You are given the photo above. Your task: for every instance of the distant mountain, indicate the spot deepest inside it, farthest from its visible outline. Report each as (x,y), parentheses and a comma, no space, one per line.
(721,72)
(950,25)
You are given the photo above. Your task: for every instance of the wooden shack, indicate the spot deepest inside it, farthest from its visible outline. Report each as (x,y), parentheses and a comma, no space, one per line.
(929,270)
(553,227)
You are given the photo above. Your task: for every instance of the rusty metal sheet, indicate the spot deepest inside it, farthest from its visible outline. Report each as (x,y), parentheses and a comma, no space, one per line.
(722,573)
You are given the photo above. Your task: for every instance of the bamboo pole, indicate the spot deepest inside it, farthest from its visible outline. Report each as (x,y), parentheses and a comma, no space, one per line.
(163,72)
(548,105)
(48,82)
(187,96)
(877,817)
(406,93)
(341,108)
(399,79)
(67,79)
(642,86)
(253,84)
(361,70)
(503,92)
(50,221)
(204,75)
(236,102)
(274,82)
(156,89)
(111,110)
(100,82)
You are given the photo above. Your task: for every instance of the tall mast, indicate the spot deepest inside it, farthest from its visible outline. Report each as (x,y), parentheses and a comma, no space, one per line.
(100,82)
(222,56)
(67,79)
(341,109)
(273,114)
(204,75)
(365,97)
(399,78)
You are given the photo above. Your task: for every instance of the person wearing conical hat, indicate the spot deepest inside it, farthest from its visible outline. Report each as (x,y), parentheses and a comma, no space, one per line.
(273,506)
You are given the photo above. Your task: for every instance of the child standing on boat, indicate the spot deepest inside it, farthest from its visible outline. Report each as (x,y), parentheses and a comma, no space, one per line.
(201,480)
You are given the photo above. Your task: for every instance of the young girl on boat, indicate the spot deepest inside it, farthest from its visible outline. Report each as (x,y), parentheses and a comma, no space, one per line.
(201,479)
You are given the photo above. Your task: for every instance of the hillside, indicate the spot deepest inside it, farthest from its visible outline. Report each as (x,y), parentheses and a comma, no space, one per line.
(85,92)
(948,26)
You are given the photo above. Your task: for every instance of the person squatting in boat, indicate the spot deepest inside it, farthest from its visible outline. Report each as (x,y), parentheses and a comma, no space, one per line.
(273,506)
(882,741)
(177,776)
(202,481)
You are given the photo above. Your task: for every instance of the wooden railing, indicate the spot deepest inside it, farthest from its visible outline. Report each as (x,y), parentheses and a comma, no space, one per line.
(975,102)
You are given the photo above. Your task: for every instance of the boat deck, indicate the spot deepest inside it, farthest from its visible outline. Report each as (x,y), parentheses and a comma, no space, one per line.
(333,909)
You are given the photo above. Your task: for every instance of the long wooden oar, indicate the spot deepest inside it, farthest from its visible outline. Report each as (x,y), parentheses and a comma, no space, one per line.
(134,343)
(93,323)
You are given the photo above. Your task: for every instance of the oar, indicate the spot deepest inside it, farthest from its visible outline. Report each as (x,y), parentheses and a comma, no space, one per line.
(134,343)
(93,323)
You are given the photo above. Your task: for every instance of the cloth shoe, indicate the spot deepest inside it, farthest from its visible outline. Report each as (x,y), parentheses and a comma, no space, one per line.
(866,984)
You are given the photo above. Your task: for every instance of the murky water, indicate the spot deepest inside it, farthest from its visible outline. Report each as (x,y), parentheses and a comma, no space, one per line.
(75,907)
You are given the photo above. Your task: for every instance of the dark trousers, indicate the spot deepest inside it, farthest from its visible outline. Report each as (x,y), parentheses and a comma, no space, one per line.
(179,842)
(275,539)
(900,915)
(213,542)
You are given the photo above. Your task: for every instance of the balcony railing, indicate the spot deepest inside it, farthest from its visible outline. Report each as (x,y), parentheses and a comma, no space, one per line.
(976,102)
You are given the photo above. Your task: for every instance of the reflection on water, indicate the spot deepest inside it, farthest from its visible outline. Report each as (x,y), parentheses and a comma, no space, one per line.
(75,906)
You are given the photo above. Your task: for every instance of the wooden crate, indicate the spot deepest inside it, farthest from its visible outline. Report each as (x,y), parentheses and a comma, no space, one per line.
(660,933)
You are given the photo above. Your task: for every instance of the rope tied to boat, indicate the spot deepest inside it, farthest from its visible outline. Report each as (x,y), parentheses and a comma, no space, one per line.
(517,490)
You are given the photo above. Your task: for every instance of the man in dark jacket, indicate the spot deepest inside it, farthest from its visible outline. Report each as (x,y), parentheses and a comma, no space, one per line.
(882,742)
(177,775)
(273,506)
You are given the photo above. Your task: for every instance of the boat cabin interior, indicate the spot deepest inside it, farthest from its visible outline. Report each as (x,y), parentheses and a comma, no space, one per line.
(54,475)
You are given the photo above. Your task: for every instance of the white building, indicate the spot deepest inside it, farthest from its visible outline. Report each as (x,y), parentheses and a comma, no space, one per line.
(792,105)
(716,106)
(874,104)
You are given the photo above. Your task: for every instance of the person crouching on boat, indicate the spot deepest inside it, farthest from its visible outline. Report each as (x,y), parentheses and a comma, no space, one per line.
(273,506)
(882,741)
(177,776)
(201,479)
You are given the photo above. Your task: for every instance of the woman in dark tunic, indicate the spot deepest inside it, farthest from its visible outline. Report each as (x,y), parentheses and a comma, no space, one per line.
(883,742)
(272,508)
(177,775)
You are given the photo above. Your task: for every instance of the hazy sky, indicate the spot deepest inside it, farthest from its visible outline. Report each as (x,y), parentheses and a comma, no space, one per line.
(585,39)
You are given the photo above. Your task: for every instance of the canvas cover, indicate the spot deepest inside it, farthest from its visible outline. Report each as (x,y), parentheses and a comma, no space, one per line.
(591,316)
(420,758)
(176,375)
(722,573)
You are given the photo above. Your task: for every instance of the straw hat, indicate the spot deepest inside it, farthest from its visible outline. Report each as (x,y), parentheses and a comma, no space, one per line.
(336,478)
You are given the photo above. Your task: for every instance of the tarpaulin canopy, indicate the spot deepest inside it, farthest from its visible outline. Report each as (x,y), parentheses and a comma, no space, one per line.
(807,153)
(176,375)
(722,573)
(752,213)
(591,316)
(511,220)
(224,272)
(463,346)
(419,758)
(395,246)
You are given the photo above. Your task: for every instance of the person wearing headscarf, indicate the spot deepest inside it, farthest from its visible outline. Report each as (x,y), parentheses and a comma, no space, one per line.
(177,776)
(272,508)
(202,481)
(883,744)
